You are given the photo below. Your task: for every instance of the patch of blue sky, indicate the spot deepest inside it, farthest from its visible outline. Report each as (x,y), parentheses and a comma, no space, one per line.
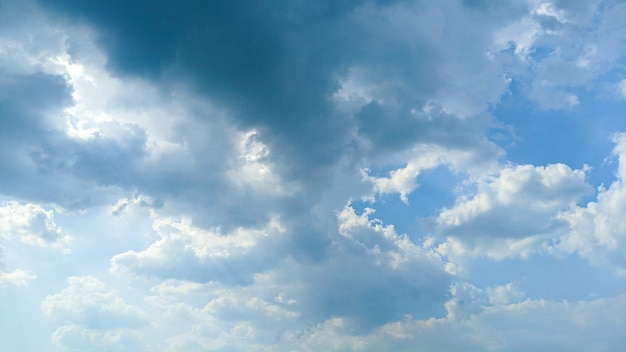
(436,189)
(540,52)
(576,137)
(568,278)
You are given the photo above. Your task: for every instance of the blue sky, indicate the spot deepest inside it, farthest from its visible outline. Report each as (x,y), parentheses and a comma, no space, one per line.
(312,175)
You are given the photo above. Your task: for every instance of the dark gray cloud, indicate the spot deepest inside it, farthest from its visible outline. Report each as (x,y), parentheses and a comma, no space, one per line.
(40,162)
(276,65)
(271,63)
(26,101)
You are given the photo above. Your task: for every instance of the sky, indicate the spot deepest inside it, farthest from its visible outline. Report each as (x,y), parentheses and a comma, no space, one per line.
(399,175)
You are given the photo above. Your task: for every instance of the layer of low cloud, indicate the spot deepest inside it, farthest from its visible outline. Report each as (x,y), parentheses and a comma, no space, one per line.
(496,319)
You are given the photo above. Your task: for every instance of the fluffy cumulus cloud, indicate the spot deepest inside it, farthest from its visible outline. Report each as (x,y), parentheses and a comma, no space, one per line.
(30,224)
(311,175)
(514,213)
(475,162)
(598,230)
(187,252)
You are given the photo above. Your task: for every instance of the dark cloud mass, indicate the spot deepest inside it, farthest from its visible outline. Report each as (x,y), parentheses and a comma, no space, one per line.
(25,102)
(277,66)
(274,65)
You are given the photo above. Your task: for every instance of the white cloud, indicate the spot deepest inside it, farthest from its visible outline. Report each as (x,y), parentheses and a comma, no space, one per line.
(504,294)
(515,213)
(87,302)
(382,242)
(16,278)
(404,180)
(132,204)
(476,162)
(598,230)
(467,300)
(209,316)
(91,317)
(548,9)
(31,224)
(521,34)
(188,252)
(101,101)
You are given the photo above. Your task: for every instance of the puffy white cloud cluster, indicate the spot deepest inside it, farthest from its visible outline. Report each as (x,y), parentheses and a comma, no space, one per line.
(514,213)
(187,252)
(530,209)
(476,162)
(598,230)
(31,224)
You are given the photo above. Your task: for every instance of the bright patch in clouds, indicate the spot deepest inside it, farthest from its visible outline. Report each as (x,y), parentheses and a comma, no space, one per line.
(312,176)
